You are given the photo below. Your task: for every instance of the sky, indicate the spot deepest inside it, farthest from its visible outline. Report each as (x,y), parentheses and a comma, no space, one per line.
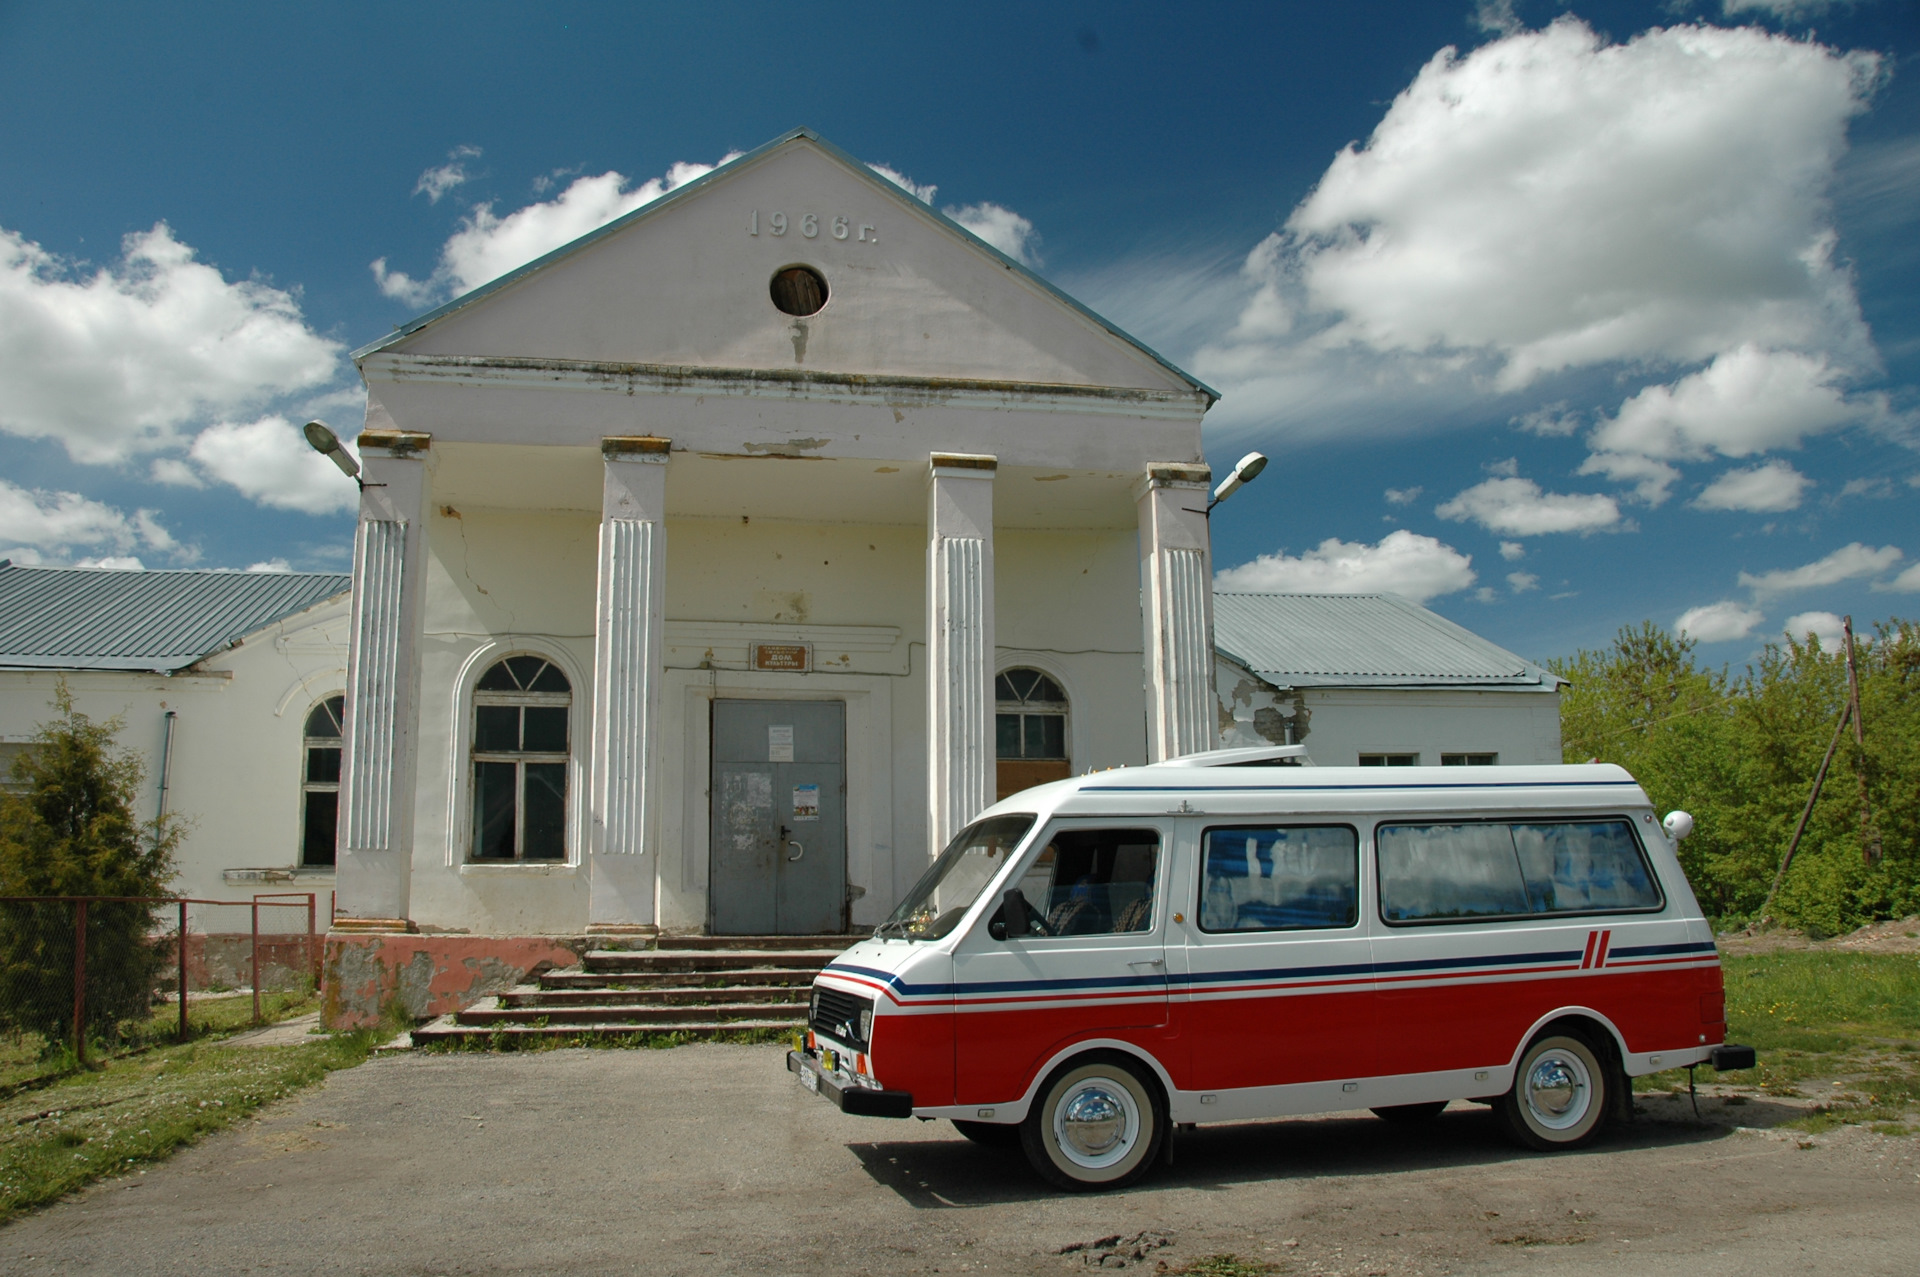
(1555,317)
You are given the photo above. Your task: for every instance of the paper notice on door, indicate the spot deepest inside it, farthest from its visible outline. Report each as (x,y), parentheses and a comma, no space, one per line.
(806,803)
(780,743)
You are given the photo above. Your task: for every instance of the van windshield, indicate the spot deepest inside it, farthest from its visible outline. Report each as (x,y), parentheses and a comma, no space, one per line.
(954,881)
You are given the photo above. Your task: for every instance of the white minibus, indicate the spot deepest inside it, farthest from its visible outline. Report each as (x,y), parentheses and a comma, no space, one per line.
(1095,962)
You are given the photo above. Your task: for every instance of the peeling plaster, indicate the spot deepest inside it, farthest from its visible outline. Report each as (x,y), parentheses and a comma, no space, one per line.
(1253,712)
(421,976)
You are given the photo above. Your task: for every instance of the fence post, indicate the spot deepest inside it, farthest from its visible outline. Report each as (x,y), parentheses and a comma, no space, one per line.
(183,971)
(313,954)
(80,981)
(256,961)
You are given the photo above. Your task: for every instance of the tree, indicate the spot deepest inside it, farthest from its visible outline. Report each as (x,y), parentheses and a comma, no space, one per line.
(70,830)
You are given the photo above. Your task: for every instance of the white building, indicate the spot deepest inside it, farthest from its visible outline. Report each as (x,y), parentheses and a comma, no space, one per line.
(228,686)
(1372,679)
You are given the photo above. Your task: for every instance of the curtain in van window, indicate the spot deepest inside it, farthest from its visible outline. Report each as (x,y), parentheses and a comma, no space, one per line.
(1271,879)
(1449,871)
(1580,867)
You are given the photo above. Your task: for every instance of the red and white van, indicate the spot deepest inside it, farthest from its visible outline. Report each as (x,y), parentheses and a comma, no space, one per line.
(1096,961)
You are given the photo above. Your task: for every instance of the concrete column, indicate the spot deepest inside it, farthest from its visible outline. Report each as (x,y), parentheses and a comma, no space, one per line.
(1176,594)
(629,625)
(375,847)
(960,752)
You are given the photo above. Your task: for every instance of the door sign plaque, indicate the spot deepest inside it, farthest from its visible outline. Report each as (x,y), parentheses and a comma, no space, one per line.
(789,657)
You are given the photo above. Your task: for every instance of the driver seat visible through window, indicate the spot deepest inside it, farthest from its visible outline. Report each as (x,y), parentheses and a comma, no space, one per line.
(1095,882)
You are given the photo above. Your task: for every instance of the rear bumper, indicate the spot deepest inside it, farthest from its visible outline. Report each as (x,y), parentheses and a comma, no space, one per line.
(1728,1056)
(857,1100)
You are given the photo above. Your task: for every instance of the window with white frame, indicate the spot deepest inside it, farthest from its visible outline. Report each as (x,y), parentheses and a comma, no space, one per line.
(521,709)
(320,781)
(1030,730)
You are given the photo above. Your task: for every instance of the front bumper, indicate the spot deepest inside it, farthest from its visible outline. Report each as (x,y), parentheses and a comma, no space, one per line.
(857,1100)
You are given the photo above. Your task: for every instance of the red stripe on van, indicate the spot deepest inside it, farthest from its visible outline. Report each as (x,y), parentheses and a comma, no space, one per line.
(1606,940)
(1586,959)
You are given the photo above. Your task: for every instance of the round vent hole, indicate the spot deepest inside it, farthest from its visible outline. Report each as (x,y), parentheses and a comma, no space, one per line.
(799,290)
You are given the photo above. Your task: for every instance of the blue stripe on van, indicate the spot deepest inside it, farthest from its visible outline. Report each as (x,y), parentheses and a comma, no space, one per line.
(1203,978)
(1649,950)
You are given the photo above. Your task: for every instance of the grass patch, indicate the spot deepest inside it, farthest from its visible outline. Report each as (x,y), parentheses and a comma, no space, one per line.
(138,1108)
(1841,1027)
(28,1060)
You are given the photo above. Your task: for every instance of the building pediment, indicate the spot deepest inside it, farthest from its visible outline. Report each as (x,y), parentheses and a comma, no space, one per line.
(688,282)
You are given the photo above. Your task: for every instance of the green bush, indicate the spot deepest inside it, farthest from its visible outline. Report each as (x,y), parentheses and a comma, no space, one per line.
(70,830)
(1740,753)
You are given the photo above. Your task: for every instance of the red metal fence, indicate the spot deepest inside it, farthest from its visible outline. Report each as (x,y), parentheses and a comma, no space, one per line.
(81,970)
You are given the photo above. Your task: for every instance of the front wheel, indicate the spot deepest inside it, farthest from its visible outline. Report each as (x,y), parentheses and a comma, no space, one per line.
(1559,1095)
(1095,1125)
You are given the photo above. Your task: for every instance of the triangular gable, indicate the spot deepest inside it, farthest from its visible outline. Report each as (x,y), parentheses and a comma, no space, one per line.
(912,292)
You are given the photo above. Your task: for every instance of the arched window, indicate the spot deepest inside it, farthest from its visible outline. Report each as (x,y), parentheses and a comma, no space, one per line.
(520,740)
(1030,729)
(320,781)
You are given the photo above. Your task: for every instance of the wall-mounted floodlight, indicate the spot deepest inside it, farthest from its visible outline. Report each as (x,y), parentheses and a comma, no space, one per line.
(1245,471)
(323,441)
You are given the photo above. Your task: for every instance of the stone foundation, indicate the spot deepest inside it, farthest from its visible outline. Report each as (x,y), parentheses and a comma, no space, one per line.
(421,976)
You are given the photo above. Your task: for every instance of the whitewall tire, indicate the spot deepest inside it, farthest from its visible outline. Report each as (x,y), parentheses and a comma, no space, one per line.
(1095,1124)
(1560,1095)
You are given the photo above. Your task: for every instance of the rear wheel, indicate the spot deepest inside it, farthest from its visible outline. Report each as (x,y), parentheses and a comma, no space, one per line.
(990,1134)
(1095,1124)
(1410,1114)
(1559,1095)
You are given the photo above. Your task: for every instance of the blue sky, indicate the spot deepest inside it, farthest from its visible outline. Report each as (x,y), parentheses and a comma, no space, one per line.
(1560,317)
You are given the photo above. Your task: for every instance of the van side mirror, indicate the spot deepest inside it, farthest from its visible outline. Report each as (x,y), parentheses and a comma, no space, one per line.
(1014,917)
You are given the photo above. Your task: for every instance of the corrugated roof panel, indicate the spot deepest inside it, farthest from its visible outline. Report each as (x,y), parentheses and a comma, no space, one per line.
(1358,640)
(94,618)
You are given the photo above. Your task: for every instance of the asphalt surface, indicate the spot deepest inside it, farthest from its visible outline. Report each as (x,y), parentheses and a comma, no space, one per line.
(710,1159)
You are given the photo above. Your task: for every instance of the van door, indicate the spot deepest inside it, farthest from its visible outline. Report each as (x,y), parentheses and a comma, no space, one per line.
(1278,975)
(1093,963)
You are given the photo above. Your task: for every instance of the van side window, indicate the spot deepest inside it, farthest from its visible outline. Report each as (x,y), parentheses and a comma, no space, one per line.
(1094,882)
(1493,869)
(1266,878)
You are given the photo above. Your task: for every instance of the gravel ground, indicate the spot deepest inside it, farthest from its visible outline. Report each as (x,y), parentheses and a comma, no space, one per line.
(710,1159)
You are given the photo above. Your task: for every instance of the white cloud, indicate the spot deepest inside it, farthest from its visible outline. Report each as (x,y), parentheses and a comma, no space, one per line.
(270,565)
(1879,487)
(175,473)
(1824,626)
(269,462)
(1521,582)
(437,181)
(114,563)
(1404,496)
(1512,551)
(1766,489)
(1519,508)
(1551,421)
(1001,227)
(1405,563)
(1551,201)
(1718,622)
(1562,201)
(1496,17)
(1746,401)
(924,194)
(1650,478)
(1506,469)
(117,361)
(487,246)
(56,522)
(1848,563)
(1907,582)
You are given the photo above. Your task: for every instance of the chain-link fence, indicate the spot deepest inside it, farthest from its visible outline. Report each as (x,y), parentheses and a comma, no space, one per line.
(82,977)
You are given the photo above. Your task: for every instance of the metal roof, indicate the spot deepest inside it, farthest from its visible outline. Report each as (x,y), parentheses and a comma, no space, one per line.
(1361,640)
(102,619)
(679,193)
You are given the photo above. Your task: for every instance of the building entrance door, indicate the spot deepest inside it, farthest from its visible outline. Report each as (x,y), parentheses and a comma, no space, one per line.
(779,841)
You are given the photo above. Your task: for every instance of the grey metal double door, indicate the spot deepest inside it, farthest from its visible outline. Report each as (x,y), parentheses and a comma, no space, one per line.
(779,842)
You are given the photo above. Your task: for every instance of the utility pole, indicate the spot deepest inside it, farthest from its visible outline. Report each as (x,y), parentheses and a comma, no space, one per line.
(1869,835)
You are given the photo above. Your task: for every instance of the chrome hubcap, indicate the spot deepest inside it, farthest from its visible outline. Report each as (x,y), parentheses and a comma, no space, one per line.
(1557,1090)
(1096,1123)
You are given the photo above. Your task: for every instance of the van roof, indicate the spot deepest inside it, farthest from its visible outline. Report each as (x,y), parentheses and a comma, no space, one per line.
(1187,780)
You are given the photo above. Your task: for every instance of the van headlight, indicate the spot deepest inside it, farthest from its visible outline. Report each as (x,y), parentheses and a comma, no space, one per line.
(866,1026)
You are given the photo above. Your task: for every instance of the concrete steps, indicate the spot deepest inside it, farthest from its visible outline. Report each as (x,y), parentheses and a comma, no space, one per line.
(703,986)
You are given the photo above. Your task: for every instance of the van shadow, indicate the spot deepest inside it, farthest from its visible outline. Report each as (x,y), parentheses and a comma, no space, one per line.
(955,1173)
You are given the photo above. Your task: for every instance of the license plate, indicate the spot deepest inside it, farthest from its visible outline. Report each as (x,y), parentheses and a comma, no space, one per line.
(810,1080)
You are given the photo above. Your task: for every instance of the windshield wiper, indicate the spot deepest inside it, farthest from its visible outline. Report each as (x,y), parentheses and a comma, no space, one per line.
(879,932)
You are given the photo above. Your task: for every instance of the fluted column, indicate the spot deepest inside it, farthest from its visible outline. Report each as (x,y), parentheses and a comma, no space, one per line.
(960,755)
(375,839)
(1176,586)
(629,622)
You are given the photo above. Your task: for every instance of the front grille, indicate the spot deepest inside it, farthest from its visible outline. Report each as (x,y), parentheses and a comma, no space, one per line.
(840,1015)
